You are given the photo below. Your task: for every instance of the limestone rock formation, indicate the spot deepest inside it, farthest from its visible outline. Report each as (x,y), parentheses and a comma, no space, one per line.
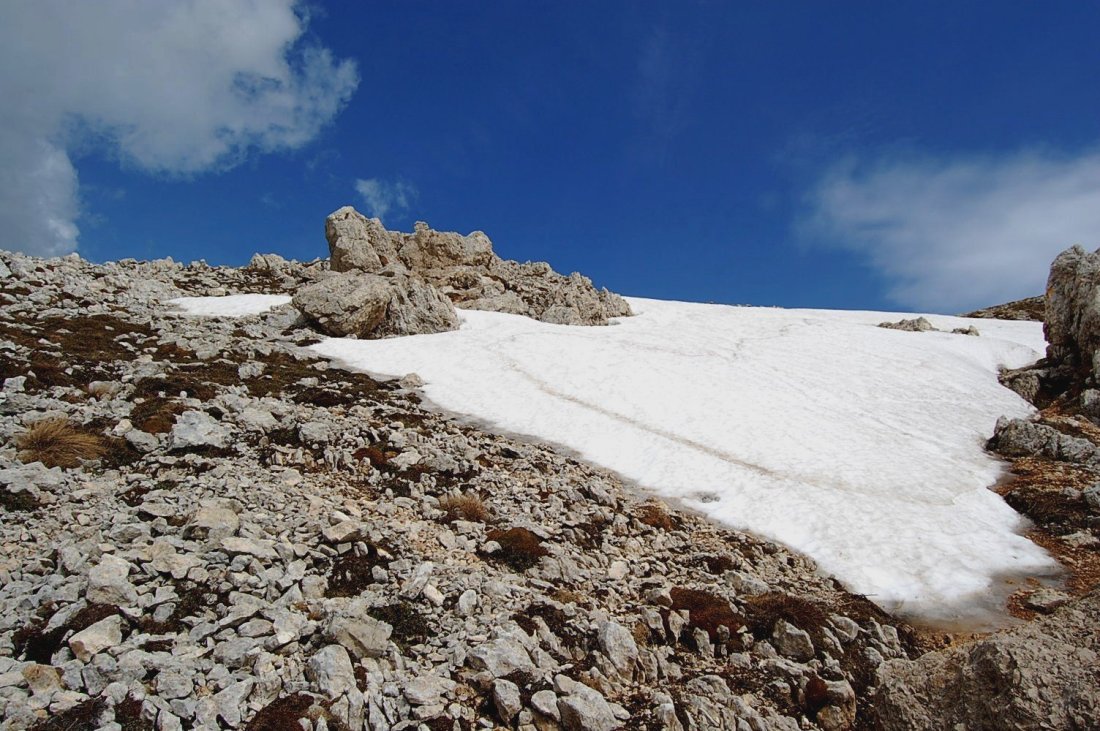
(1072,324)
(1072,328)
(465,269)
(916,325)
(1040,676)
(357,304)
(1023,438)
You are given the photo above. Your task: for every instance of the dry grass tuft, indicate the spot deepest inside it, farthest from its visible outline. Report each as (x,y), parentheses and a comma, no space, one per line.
(58,443)
(764,610)
(463,507)
(707,611)
(519,548)
(282,714)
(656,516)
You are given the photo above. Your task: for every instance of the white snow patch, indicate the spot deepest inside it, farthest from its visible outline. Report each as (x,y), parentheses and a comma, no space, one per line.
(234,305)
(860,446)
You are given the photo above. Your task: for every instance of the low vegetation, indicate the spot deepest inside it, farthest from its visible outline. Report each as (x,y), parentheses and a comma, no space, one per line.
(467,507)
(520,548)
(58,443)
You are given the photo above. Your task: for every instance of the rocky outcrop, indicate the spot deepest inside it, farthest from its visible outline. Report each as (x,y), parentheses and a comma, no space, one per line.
(356,304)
(1023,438)
(467,271)
(1072,323)
(1030,308)
(922,325)
(1043,675)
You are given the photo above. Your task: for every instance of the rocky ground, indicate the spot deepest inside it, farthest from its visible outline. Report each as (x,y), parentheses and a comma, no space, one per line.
(205,526)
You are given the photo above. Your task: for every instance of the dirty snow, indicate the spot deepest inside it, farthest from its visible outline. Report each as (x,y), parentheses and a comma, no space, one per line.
(860,446)
(233,305)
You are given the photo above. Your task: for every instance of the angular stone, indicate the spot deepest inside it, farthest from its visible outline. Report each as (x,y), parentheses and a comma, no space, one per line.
(331,672)
(198,429)
(792,642)
(257,420)
(214,521)
(230,702)
(363,637)
(585,709)
(418,581)
(618,646)
(467,603)
(465,270)
(108,582)
(916,325)
(174,684)
(95,639)
(165,559)
(1023,438)
(501,657)
(1092,497)
(546,703)
(346,531)
(42,678)
(428,690)
(357,242)
(1046,600)
(507,699)
(262,550)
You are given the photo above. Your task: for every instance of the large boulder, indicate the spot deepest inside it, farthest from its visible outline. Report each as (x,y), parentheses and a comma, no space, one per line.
(1072,324)
(1072,327)
(358,243)
(1022,438)
(428,249)
(362,305)
(465,269)
(1042,675)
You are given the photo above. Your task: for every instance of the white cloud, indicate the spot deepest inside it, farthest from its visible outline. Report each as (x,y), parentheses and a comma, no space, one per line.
(955,234)
(172,88)
(379,197)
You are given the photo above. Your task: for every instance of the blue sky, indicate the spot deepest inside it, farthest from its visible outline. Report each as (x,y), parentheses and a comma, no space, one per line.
(919,155)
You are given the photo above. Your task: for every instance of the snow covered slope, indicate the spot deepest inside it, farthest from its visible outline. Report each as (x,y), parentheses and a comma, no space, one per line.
(233,305)
(857,445)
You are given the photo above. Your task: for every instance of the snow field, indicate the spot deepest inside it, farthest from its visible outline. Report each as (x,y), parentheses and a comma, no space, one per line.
(860,446)
(234,305)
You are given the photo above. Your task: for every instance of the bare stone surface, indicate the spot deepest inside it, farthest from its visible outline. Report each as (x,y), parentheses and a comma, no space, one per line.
(1040,676)
(362,305)
(1072,322)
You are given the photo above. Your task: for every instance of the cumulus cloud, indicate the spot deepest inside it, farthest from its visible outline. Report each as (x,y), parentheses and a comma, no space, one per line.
(380,197)
(958,233)
(175,88)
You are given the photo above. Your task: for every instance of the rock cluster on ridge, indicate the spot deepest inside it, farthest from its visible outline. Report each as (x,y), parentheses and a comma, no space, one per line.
(407,282)
(1029,308)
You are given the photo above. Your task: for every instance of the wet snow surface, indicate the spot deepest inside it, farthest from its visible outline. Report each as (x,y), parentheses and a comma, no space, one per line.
(234,305)
(860,446)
